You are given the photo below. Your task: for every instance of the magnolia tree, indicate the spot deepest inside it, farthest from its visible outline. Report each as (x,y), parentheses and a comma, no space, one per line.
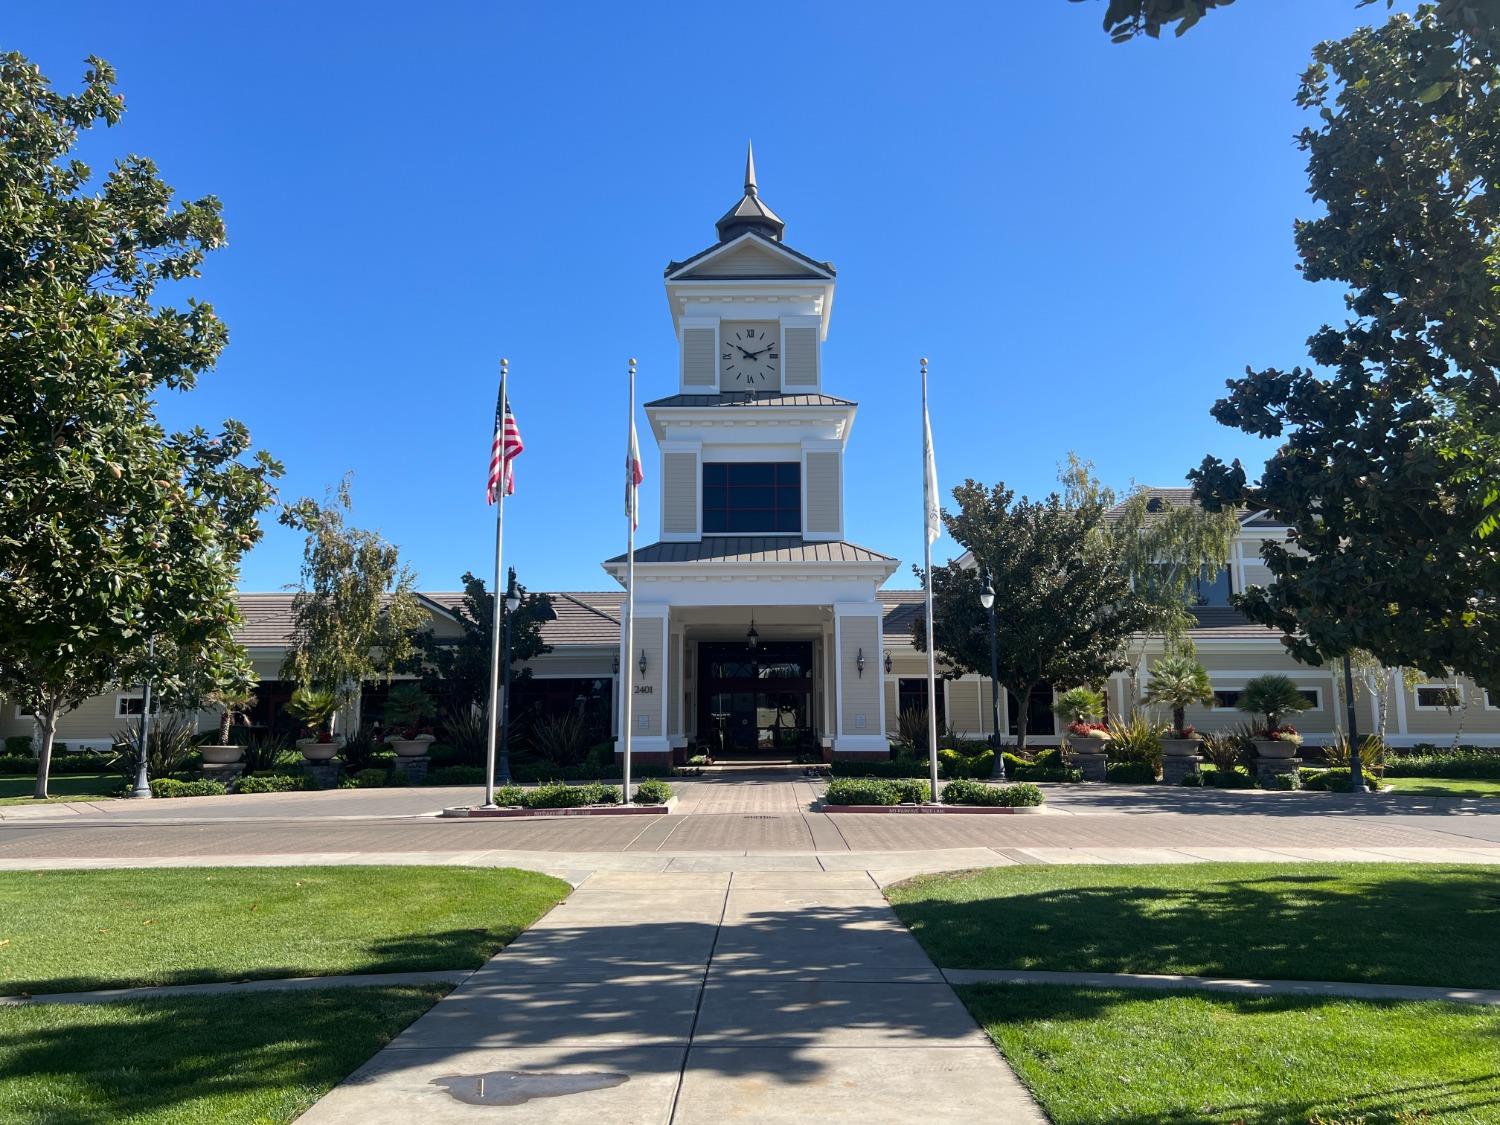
(1061,587)
(113,533)
(355,613)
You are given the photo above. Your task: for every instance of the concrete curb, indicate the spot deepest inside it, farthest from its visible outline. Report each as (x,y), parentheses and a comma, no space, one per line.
(1169,982)
(950,810)
(284,984)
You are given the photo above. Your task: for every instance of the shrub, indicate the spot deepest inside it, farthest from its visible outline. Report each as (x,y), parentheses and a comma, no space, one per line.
(1130,773)
(1286,781)
(369,779)
(559,795)
(18,745)
(271,783)
(562,739)
(510,795)
(171,787)
(956,764)
(1225,749)
(1233,778)
(1137,740)
(1335,780)
(359,751)
(860,791)
(1371,752)
(169,745)
(465,738)
(1191,780)
(911,730)
(407,707)
(977,793)
(1046,766)
(1429,761)
(264,752)
(455,775)
(652,792)
(896,767)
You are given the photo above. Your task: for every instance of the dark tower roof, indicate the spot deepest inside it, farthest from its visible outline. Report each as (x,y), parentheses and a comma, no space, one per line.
(750,213)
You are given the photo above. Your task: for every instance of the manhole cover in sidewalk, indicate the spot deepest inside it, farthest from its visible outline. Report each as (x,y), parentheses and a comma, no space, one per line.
(514,1087)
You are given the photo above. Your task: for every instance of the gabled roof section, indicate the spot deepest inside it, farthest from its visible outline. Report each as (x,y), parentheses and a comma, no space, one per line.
(751,256)
(750,398)
(755,549)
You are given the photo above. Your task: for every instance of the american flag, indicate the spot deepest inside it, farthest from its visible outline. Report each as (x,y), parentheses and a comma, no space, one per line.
(506,447)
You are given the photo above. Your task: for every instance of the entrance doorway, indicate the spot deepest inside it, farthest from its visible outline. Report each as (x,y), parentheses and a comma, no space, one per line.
(756,701)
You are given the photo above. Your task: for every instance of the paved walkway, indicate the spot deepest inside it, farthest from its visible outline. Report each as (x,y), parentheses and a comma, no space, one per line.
(696,998)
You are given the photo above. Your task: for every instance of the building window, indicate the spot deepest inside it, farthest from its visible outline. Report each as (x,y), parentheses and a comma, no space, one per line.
(911,695)
(1212,589)
(1228,699)
(22,714)
(752,497)
(1039,717)
(128,706)
(1439,697)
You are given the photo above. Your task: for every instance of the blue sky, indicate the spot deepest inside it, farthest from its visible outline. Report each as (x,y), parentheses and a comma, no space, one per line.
(1086,239)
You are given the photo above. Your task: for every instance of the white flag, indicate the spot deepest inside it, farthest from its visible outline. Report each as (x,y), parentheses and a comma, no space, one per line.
(633,476)
(929,480)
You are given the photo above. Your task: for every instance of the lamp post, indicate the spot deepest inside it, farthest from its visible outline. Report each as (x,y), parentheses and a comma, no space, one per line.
(142,789)
(987,600)
(512,602)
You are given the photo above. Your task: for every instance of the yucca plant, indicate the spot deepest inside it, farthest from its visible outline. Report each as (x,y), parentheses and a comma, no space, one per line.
(171,740)
(1179,682)
(1371,753)
(1273,697)
(562,738)
(1137,738)
(911,730)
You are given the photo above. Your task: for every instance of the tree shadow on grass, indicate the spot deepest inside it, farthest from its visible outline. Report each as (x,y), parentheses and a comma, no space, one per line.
(1369,924)
(1265,1058)
(257,1057)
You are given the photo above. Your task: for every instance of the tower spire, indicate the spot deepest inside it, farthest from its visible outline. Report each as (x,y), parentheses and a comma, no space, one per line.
(750,188)
(750,214)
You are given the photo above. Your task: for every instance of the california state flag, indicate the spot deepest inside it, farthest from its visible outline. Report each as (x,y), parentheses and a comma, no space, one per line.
(633,476)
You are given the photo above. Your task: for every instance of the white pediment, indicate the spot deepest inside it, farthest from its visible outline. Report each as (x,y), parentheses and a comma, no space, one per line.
(748,257)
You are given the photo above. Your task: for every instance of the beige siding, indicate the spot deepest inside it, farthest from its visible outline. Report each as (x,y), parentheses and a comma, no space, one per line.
(646,721)
(892,702)
(1231,671)
(1257,574)
(823,492)
(747,260)
(674,690)
(963,706)
(799,352)
(679,485)
(860,695)
(700,366)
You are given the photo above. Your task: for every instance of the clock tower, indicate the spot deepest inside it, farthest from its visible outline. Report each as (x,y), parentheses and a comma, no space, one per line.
(752,580)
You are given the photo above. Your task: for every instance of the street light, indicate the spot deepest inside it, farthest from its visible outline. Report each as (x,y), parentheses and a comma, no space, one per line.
(987,600)
(544,612)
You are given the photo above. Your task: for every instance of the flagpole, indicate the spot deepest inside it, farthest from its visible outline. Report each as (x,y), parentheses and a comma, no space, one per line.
(927,503)
(492,712)
(629,639)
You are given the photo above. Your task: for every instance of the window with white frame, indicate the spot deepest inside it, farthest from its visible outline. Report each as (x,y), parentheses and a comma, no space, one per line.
(129,706)
(21,713)
(1439,697)
(1228,699)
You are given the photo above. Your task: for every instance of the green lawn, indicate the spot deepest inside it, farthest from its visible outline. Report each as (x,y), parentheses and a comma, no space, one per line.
(1305,921)
(254,1058)
(1097,1055)
(1444,786)
(69,930)
(17,789)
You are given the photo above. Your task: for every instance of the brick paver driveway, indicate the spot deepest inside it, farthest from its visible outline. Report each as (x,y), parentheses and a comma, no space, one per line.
(737,816)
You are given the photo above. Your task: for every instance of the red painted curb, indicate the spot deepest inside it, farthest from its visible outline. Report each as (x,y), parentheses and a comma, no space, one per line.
(587,810)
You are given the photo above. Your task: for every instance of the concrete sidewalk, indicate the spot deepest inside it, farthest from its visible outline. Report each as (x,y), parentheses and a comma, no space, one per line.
(696,997)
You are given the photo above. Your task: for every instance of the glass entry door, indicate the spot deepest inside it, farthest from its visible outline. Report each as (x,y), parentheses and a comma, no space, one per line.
(756,701)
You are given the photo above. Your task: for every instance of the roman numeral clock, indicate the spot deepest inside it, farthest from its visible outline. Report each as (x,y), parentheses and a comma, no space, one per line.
(749,355)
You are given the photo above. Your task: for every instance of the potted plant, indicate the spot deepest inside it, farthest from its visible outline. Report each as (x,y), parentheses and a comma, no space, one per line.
(1273,697)
(408,710)
(1080,710)
(315,707)
(232,702)
(1179,682)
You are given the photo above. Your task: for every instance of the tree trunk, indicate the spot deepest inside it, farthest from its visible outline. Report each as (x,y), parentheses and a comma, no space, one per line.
(1023,716)
(46,721)
(1179,719)
(224,727)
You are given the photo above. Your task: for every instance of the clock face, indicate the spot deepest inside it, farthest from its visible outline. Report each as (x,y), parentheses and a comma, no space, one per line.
(749,356)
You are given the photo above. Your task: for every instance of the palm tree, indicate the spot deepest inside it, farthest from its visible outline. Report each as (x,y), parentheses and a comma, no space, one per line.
(1273,697)
(1179,682)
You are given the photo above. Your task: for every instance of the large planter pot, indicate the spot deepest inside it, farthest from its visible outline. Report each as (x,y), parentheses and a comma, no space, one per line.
(1275,748)
(315,751)
(411,747)
(221,755)
(1180,747)
(1087,744)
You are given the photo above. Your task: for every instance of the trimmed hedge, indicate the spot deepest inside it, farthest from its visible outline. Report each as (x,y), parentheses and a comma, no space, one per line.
(1130,773)
(270,783)
(171,787)
(1191,781)
(82,761)
(455,775)
(558,795)
(652,791)
(902,767)
(1233,779)
(1429,761)
(965,792)
(1337,780)
(877,791)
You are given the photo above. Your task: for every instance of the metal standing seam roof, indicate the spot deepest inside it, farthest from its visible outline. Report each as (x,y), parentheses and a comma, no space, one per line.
(755,549)
(745,398)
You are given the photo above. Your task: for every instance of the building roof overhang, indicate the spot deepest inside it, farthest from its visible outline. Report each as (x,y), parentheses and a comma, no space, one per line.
(753,420)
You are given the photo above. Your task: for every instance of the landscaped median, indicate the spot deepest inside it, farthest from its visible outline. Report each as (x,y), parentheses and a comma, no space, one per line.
(1095,1054)
(913,795)
(652,797)
(231,1057)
